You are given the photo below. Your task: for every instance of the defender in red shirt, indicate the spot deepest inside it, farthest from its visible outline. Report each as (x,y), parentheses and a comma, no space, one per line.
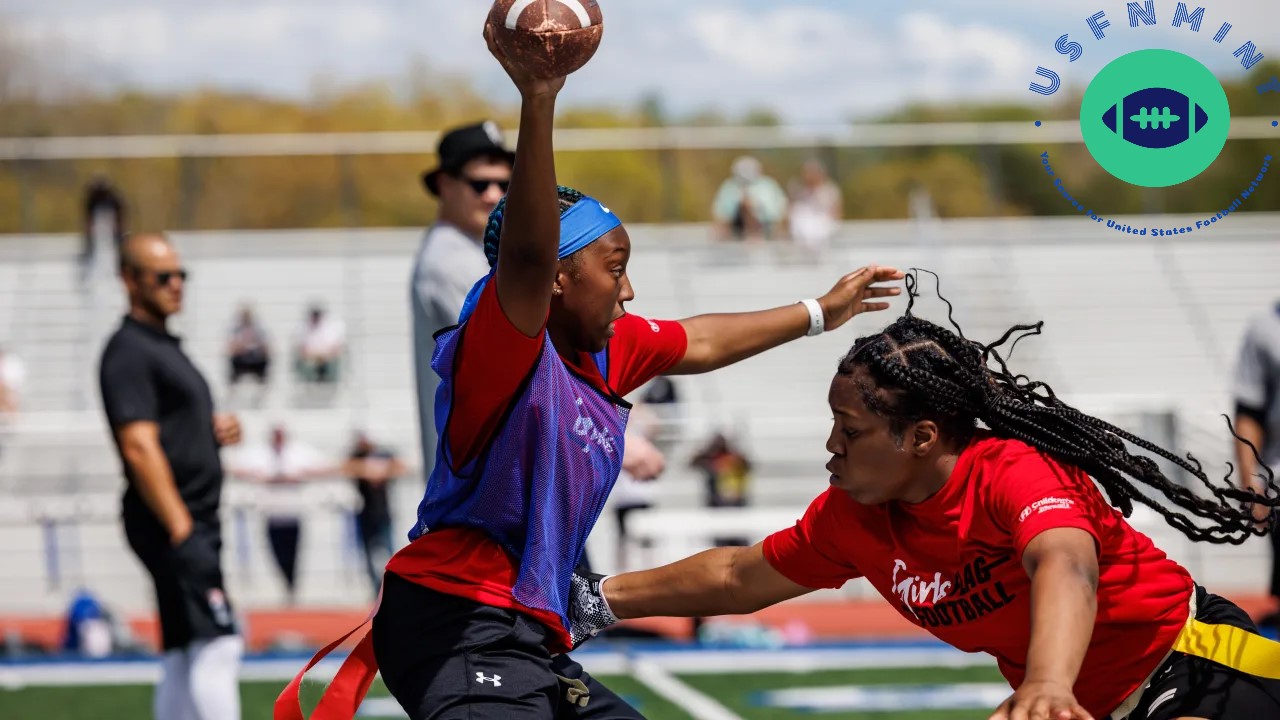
(995,541)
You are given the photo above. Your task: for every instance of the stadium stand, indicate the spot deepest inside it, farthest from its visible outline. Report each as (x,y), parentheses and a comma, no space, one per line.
(1142,330)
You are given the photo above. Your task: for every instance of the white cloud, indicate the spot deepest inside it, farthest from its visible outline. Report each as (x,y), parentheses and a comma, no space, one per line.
(130,34)
(813,64)
(784,42)
(962,62)
(274,46)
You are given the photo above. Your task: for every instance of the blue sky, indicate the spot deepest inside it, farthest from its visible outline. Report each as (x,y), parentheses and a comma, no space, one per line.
(814,61)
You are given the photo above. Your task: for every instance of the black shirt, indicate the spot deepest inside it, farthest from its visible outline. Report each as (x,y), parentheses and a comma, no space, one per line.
(145,376)
(375,511)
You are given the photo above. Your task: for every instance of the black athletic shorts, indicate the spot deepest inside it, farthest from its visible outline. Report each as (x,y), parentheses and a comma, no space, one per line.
(448,658)
(1188,686)
(190,597)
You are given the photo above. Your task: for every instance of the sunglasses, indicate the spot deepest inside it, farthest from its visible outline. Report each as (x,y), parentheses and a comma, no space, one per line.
(164,277)
(480,187)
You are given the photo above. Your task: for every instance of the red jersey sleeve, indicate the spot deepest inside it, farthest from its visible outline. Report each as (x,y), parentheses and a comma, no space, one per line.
(1030,492)
(492,362)
(643,349)
(806,553)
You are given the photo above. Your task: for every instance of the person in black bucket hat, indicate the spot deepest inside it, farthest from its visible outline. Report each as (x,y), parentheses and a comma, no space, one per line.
(473,175)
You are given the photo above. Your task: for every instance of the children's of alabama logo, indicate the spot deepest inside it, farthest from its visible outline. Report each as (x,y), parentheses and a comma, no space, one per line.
(1154,118)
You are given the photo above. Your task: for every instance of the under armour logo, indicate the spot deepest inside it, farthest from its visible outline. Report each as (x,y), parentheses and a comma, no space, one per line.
(1164,697)
(496,679)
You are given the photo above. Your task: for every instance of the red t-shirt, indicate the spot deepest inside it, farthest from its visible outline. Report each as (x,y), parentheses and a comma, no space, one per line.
(953,564)
(494,361)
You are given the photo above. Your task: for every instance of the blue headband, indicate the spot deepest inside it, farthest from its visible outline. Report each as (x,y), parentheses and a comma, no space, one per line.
(584,223)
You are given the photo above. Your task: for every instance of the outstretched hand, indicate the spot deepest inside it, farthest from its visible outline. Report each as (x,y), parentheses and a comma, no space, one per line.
(849,297)
(527,84)
(1041,701)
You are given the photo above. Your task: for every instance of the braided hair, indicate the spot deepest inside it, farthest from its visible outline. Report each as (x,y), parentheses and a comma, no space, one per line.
(567,196)
(916,370)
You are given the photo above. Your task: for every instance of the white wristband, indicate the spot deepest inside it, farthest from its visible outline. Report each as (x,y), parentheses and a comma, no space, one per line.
(604,599)
(817,323)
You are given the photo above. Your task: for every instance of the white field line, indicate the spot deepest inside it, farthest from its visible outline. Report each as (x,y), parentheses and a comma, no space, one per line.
(700,706)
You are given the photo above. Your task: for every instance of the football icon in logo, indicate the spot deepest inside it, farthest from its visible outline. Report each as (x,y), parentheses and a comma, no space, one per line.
(1155,118)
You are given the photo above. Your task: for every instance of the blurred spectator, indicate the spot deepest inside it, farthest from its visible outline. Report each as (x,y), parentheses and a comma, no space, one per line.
(282,465)
(659,412)
(12,373)
(728,476)
(727,472)
(168,437)
(642,463)
(1256,388)
(816,208)
(247,349)
(321,343)
(749,205)
(661,391)
(474,172)
(924,221)
(373,468)
(103,222)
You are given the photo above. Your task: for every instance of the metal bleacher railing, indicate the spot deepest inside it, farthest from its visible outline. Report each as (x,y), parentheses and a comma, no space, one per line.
(664,144)
(572,140)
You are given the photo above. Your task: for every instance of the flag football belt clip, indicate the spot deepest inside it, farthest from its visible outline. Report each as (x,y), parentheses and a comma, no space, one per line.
(576,691)
(1231,647)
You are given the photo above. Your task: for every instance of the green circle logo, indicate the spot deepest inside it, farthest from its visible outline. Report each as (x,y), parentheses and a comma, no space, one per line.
(1155,118)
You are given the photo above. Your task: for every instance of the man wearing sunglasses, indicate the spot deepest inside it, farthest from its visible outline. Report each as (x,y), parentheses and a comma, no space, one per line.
(473,175)
(161,416)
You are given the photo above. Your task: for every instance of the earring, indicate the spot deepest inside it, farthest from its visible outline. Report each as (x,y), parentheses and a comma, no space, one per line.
(555,291)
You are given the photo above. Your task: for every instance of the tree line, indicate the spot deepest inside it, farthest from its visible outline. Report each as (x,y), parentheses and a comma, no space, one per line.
(643,186)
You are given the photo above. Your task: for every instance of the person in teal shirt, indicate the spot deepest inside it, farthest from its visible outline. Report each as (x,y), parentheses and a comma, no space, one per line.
(749,205)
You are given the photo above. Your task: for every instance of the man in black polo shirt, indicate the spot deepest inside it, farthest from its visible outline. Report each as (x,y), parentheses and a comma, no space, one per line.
(161,415)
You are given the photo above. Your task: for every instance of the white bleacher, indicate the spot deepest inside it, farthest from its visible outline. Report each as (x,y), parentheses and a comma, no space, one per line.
(1134,327)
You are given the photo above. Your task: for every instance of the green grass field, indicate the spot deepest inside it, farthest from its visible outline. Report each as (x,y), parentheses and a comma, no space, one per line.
(739,692)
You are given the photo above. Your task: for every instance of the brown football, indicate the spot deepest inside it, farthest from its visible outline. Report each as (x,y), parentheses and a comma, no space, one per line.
(550,38)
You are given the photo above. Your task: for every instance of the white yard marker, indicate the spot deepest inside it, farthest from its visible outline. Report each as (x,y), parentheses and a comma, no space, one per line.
(700,706)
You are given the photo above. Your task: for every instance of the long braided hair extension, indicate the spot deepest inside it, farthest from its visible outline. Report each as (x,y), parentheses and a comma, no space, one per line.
(567,196)
(917,370)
